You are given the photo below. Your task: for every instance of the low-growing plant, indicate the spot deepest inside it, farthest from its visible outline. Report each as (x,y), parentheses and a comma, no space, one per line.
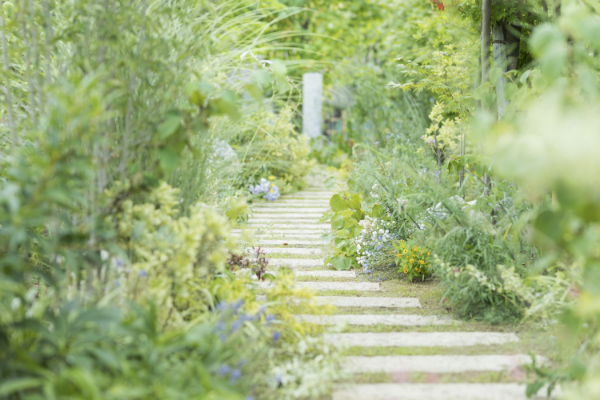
(345,217)
(412,260)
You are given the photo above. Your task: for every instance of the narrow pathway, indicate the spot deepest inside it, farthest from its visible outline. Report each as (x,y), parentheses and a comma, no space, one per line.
(395,349)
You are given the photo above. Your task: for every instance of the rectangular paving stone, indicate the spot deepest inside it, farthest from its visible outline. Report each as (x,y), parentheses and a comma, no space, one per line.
(299,219)
(290,209)
(287,250)
(308,226)
(394,320)
(287,236)
(295,263)
(423,339)
(358,286)
(438,391)
(292,242)
(370,302)
(328,274)
(437,364)
(286,216)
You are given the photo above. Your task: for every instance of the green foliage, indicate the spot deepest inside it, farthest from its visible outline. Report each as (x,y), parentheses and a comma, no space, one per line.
(345,215)
(412,260)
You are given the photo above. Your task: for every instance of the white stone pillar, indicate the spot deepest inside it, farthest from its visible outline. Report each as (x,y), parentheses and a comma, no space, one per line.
(312,104)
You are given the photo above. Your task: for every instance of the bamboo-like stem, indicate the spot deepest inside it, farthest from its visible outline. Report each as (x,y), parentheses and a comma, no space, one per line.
(126,136)
(7,91)
(36,57)
(31,105)
(49,38)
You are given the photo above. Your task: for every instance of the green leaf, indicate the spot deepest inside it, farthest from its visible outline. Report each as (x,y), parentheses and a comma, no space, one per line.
(254,91)
(510,90)
(329,183)
(337,203)
(539,83)
(226,104)
(495,75)
(198,92)
(170,125)
(337,222)
(343,233)
(168,158)
(525,75)
(482,91)
(341,263)
(262,77)
(15,385)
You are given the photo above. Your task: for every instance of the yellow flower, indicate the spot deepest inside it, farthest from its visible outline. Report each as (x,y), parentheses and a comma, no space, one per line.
(427,253)
(405,251)
(403,246)
(402,240)
(421,262)
(271,190)
(412,260)
(417,269)
(416,247)
(271,178)
(399,255)
(406,271)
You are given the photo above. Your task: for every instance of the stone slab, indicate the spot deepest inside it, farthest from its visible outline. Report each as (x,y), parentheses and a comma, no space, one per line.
(287,250)
(296,263)
(423,339)
(269,216)
(393,320)
(292,242)
(286,210)
(287,237)
(328,274)
(437,364)
(281,220)
(307,226)
(358,286)
(370,302)
(439,391)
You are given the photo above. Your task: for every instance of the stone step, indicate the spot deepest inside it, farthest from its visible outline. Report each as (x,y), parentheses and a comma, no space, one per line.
(287,235)
(422,339)
(322,274)
(399,320)
(328,274)
(292,242)
(437,391)
(268,216)
(287,250)
(296,263)
(296,203)
(435,364)
(306,227)
(276,221)
(370,302)
(287,210)
(358,286)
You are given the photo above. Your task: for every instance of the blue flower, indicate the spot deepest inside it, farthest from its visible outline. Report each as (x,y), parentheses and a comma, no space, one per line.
(222,337)
(276,336)
(235,375)
(235,326)
(224,370)
(142,274)
(118,262)
(270,318)
(221,326)
(222,306)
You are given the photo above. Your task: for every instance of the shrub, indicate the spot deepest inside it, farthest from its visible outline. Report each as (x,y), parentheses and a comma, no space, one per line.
(412,260)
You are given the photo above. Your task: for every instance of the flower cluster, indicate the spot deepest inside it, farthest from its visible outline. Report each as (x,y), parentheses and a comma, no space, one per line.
(374,243)
(412,260)
(374,192)
(442,133)
(272,191)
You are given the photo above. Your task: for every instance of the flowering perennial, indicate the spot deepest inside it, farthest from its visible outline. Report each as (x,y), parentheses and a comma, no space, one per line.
(272,191)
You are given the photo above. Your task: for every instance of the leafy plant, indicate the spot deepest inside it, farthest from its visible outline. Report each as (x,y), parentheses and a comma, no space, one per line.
(345,216)
(412,260)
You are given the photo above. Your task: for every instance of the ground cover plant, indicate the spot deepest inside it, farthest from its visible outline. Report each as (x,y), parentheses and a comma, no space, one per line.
(117,206)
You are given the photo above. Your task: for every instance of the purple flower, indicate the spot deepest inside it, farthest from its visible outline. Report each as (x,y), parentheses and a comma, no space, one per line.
(270,318)
(376,143)
(235,375)
(235,326)
(276,336)
(223,370)
(118,262)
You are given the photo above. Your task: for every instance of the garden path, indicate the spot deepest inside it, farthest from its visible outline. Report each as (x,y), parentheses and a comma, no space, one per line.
(391,346)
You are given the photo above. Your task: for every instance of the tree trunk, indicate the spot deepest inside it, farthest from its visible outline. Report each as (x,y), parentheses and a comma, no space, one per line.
(499,45)
(486,16)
